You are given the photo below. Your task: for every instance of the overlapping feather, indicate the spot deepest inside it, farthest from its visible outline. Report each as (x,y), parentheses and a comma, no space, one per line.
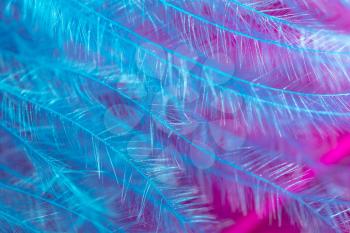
(134,115)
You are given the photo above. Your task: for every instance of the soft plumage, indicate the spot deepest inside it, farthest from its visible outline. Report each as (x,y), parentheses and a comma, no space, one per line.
(172,116)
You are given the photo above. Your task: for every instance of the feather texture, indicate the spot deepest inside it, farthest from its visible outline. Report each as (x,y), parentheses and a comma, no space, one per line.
(144,116)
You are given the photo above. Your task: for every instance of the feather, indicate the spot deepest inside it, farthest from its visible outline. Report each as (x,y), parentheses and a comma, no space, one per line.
(135,116)
(291,106)
(152,173)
